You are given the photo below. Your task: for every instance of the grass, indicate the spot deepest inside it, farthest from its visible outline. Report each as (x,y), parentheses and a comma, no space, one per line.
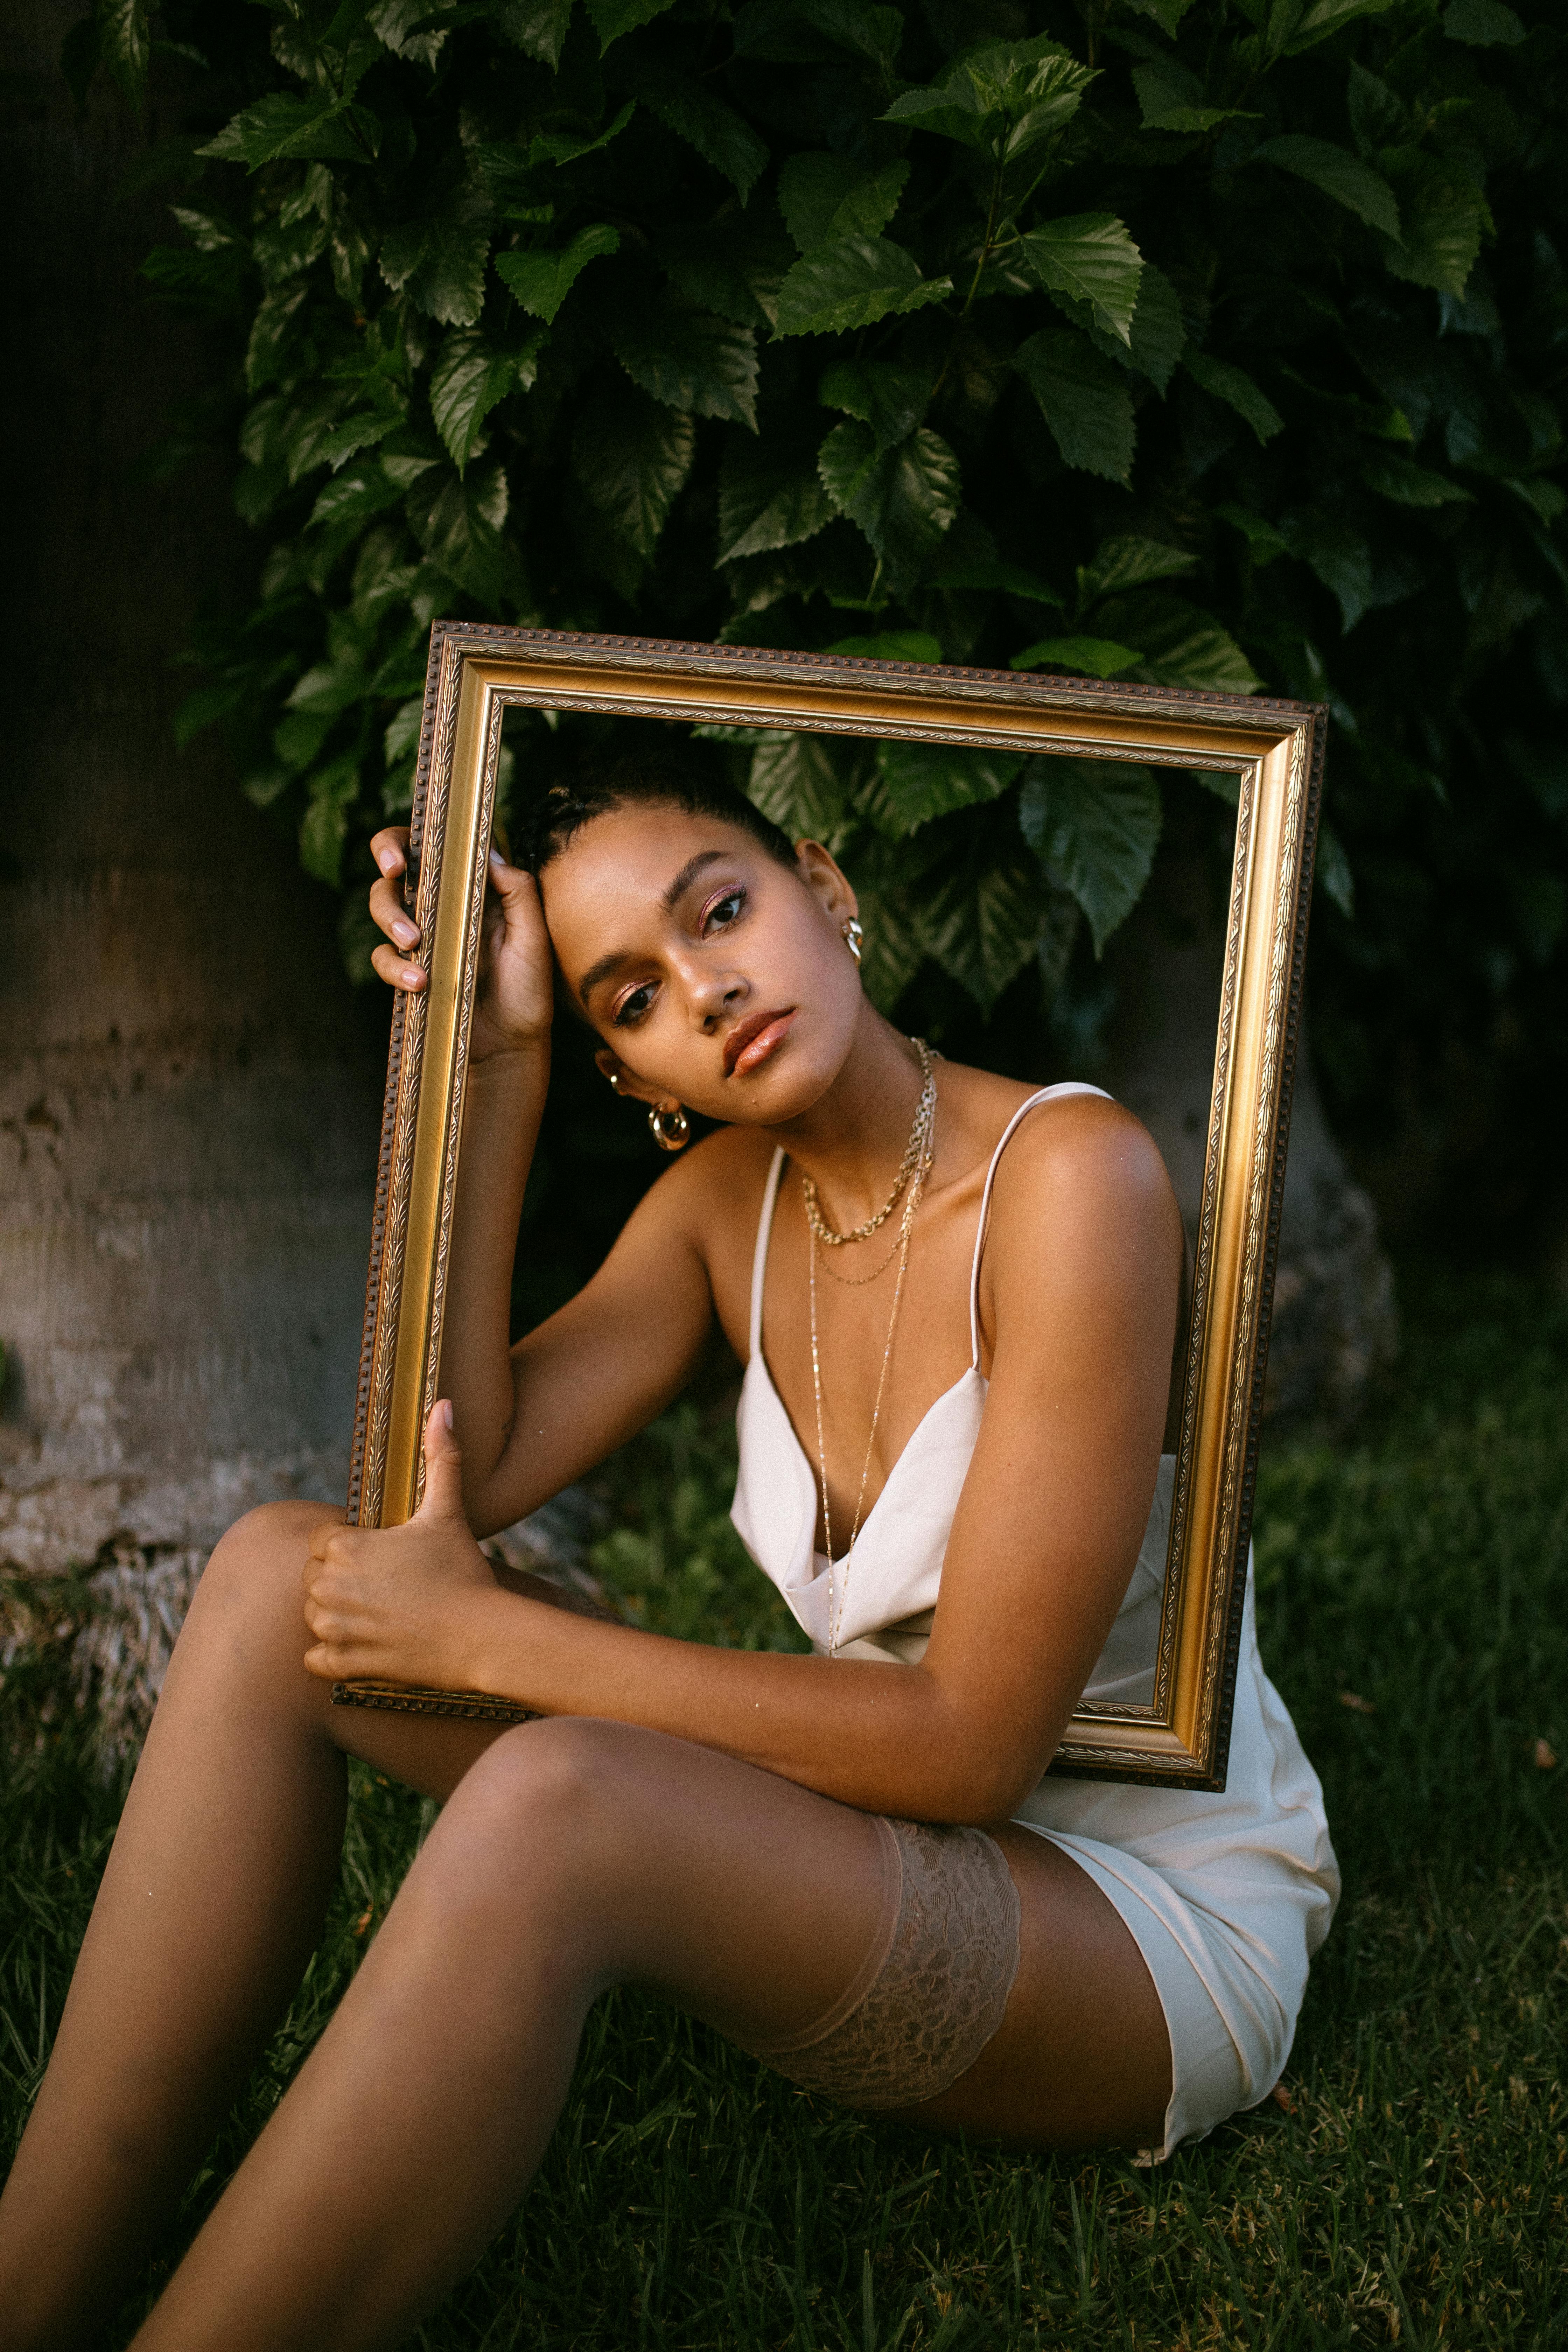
(1414,2187)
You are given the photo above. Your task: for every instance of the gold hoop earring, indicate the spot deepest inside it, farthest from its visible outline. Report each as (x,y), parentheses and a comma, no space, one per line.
(676,1135)
(854,932)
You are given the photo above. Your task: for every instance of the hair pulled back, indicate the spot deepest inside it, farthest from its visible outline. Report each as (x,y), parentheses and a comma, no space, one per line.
(635,780)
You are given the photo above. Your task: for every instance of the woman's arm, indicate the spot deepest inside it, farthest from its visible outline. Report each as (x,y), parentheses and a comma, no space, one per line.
(1083,1263)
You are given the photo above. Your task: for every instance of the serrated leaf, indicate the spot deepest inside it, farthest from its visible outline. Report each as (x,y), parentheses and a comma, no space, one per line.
(1409,485)
(1091,257)
(1232,385)
(438,260)
(354,495)
(1339,174)
(1159,330)
(979,917)
(890,399)
(795,782)
(1003,99)
(1083,400)
(986,574)
(720,136)
(561,147)
(823,197)
(458,525)
(541,281)
(691,359)
(632,455)
(1094,825)
(467,381)
(1172,99)
(1342,559)
(1328,16)
(1263,542)
(281,125)
(611,19)
(537,27)
(1130,560)
(1100,657)
(324,827)
(920,781)
(889,644)
(1180,645)
(266,357)
(728,266)
(1445,217)
(1482,23)
(124,44)
(766,502)
(851,283)
(1378,118)
(874,33)
(903,499)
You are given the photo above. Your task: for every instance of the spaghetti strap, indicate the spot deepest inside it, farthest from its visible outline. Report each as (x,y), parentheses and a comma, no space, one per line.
(760,1255)
(1045,1094)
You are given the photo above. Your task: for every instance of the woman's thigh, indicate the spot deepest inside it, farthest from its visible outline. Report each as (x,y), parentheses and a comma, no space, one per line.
(753,1903)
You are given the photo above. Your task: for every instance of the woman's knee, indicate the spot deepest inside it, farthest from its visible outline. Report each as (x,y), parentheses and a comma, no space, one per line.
(558,1793)
(252,1589)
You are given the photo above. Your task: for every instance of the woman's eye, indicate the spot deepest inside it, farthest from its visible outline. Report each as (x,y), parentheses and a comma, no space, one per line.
(724,912)
(631,1008)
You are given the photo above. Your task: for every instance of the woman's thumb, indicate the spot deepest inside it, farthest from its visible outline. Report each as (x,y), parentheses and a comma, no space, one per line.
(443,1466)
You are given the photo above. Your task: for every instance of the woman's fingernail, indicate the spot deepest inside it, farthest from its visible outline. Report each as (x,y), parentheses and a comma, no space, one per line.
(388,861)
(412,976)
(446,1411)
(497,863)
(405,933)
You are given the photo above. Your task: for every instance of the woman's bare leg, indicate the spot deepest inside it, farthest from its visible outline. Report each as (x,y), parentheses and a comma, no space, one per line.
(573,1856)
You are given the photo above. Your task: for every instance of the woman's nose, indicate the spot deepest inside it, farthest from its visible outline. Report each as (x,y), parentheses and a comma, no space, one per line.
(715,993)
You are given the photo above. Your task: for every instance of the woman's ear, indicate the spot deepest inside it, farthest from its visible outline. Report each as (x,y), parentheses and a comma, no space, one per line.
(826,881)
(629,1089)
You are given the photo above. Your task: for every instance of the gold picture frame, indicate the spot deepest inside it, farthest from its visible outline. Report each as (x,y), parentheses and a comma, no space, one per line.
(1273,749)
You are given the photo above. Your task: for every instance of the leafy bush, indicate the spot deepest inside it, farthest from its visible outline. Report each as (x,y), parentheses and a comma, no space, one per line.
(1215,342)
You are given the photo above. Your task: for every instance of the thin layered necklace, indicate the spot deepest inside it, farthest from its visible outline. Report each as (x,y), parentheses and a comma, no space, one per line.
(909,1182)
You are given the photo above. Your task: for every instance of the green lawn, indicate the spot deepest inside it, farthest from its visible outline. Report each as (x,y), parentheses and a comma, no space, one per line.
(1413,2186)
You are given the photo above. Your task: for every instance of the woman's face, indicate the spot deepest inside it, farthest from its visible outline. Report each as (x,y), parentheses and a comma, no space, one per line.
(715,975)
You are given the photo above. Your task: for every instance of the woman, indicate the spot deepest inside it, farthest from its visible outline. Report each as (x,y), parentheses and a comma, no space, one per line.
(957,1303)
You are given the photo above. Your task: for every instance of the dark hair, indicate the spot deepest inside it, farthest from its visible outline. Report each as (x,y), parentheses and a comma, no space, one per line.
(549,822)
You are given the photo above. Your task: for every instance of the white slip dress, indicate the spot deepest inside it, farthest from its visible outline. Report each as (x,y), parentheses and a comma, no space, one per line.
(1227,1896)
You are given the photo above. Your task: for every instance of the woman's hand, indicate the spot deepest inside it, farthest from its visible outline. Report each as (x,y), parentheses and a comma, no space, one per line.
(409,1604)
(515,998)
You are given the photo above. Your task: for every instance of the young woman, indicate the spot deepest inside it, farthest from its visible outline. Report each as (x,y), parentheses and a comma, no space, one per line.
(956,1302)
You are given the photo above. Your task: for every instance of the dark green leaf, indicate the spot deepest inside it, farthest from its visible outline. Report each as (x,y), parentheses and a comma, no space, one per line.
(1342,559)
(281,125)
(1377,118)
(728,266)
(1339,174)
(569,147)
(825,196)
(1083,400)
(1263,542)
(632,455)
(541,281)
(795,781)
(538,28)
(1232,385)
(1332,871)
(1182,646)
(1444,218)
(874,33)
(124,44)
(1482,23)
(458,525)
(612,18)
(920,781)
(1159,331)
(891,645)
(1094,825)
(1097,655)
(1327,17)
(79,60)
(465,383)
(1003,99)
(690,358)
(1409,485)
(852,283)
(438,261)
(890,399)
(903,499)
(272,334)
(1173,97)
(1091,257)
(689,108)
(324,826)
(990,573)
(767,502)
(1130,560)
(979,915)
(356,494)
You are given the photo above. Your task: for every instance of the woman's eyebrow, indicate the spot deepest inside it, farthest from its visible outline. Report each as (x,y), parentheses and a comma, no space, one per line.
(599,971)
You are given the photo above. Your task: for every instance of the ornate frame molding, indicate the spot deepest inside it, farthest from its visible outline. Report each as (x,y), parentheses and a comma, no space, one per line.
(1276,751)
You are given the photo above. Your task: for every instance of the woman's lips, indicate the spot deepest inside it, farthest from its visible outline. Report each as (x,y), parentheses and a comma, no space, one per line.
(751,1043)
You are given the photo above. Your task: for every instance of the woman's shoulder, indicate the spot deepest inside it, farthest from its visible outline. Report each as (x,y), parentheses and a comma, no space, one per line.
(1077,1153)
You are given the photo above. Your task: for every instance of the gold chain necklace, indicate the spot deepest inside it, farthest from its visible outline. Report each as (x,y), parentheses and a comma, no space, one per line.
(916,1150)
(920,1171)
